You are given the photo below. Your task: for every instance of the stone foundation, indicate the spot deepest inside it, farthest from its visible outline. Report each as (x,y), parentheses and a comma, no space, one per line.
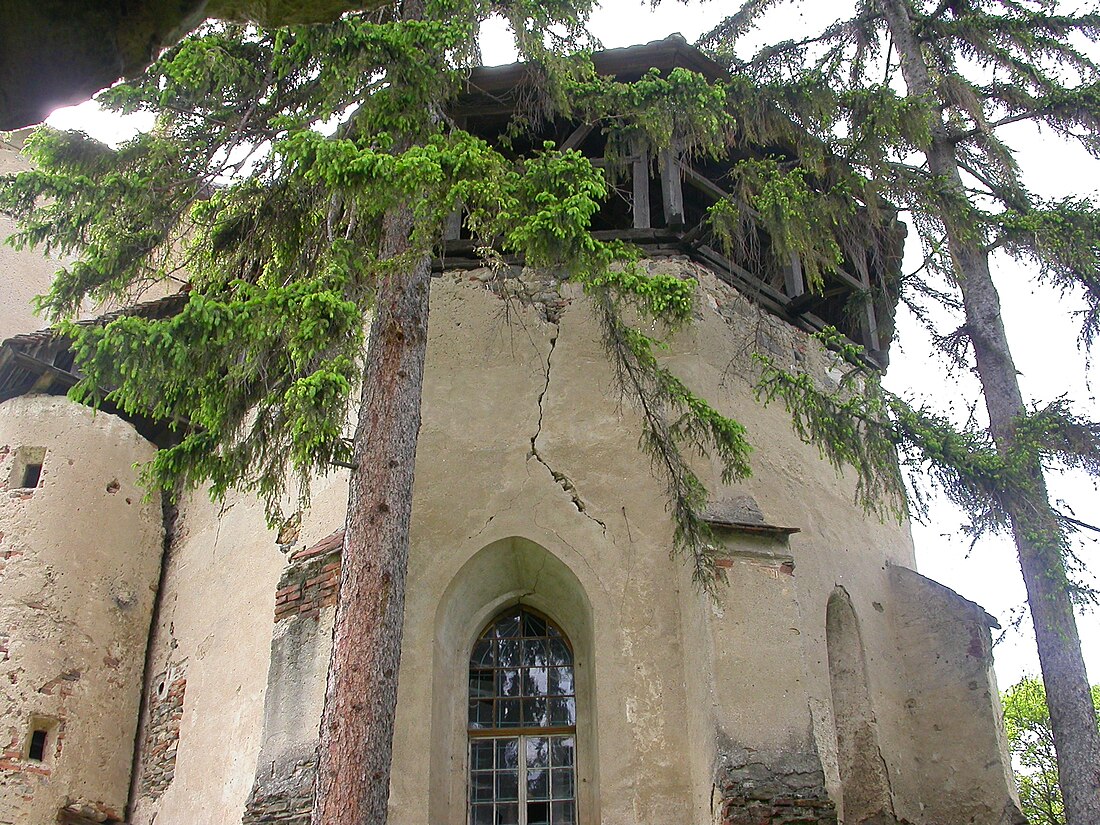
(784,789)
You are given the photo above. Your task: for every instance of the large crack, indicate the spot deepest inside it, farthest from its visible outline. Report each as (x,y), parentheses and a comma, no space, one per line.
(560,479)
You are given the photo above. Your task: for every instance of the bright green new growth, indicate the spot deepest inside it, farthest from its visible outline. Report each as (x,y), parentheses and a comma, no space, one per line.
(273,219)
(1031,744)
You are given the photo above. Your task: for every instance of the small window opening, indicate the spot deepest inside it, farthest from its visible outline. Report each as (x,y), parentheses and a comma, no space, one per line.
(36,752)
(26,469)
(32,474)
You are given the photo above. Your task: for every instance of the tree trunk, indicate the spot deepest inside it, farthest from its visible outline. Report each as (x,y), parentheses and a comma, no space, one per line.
(1035,527)
(356,747)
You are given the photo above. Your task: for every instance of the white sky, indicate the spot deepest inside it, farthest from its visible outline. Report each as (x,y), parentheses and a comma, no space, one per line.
(1042,334)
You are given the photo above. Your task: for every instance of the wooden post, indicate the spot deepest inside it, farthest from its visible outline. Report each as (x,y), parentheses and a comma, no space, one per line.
(672,187)
(868,321)
(792,277)
(452,228)
(641,210)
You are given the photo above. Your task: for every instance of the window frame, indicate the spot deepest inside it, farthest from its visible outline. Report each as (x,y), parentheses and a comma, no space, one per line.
(522,733)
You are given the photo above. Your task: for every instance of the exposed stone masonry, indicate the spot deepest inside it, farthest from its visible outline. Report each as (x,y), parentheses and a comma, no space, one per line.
(283,789)
(158,765)
(285,797)
(775,791)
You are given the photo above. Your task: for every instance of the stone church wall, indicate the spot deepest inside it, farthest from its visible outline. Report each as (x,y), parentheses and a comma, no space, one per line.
(530,488)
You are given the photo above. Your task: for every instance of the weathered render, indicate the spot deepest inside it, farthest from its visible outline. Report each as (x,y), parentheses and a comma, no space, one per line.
(79,559)
(530,488)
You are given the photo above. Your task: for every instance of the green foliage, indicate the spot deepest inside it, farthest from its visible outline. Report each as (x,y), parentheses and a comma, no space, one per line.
(986,64)
(859,424)
(1031,744)
(798,217)
(992,64)
(1062,240)
(274,157)
(656,110)
(677,423)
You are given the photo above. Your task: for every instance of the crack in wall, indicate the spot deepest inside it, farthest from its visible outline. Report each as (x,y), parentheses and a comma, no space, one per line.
(560,479)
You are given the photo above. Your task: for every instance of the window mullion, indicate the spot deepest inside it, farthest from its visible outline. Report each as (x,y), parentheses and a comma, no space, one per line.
(522,780)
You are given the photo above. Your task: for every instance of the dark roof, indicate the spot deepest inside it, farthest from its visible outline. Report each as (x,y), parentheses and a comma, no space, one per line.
(42,361)
(626,63)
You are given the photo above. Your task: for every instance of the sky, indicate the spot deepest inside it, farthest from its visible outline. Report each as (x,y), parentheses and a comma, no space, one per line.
(1042,334)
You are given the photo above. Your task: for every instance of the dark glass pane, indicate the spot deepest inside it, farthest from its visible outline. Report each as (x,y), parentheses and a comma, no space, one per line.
(538,752)
(508,713)
(481,755)
(481,814)
(562,751)
(507,627)
(508,683)
(509,653)
(538,813)
(552,631)
(482,653)
(560,681)
(535,713)
(562,783)
(481,786)
(559,653)
(563,813)
(533,625)
(481,683)
(535,652)
(562,712)
(481,714)
(508,814)
(534,681)
(507,754)
(507,786)
(538,784)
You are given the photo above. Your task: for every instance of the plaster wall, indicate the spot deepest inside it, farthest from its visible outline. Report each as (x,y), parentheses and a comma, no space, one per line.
(528,459)
(951,697)
(26,274)
(214,632)
(79,555)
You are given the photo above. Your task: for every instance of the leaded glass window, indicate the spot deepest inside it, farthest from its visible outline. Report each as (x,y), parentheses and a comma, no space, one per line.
(522,724)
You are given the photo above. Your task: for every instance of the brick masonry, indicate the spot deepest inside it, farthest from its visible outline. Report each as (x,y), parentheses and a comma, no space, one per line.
(283,789)
(310,580)
(162,732)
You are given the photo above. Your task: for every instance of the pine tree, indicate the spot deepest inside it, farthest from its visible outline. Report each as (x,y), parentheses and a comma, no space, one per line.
(912,95)
(299,179)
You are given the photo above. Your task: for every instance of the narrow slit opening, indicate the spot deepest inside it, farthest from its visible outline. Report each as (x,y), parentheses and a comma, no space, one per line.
(36,752)
(32,474)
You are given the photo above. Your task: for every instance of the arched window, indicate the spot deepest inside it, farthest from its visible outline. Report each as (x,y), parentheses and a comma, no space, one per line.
(522,723)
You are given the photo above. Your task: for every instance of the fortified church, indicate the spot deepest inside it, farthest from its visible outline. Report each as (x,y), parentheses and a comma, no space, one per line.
(166,664)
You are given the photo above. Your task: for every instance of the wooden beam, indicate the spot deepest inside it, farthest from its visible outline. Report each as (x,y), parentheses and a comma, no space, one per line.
(576,138)
(672,188)
(642,218)
(41,368)
(702,182)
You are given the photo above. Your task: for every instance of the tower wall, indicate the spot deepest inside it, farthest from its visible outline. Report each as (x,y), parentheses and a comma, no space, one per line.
(32,272)
(79,558)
